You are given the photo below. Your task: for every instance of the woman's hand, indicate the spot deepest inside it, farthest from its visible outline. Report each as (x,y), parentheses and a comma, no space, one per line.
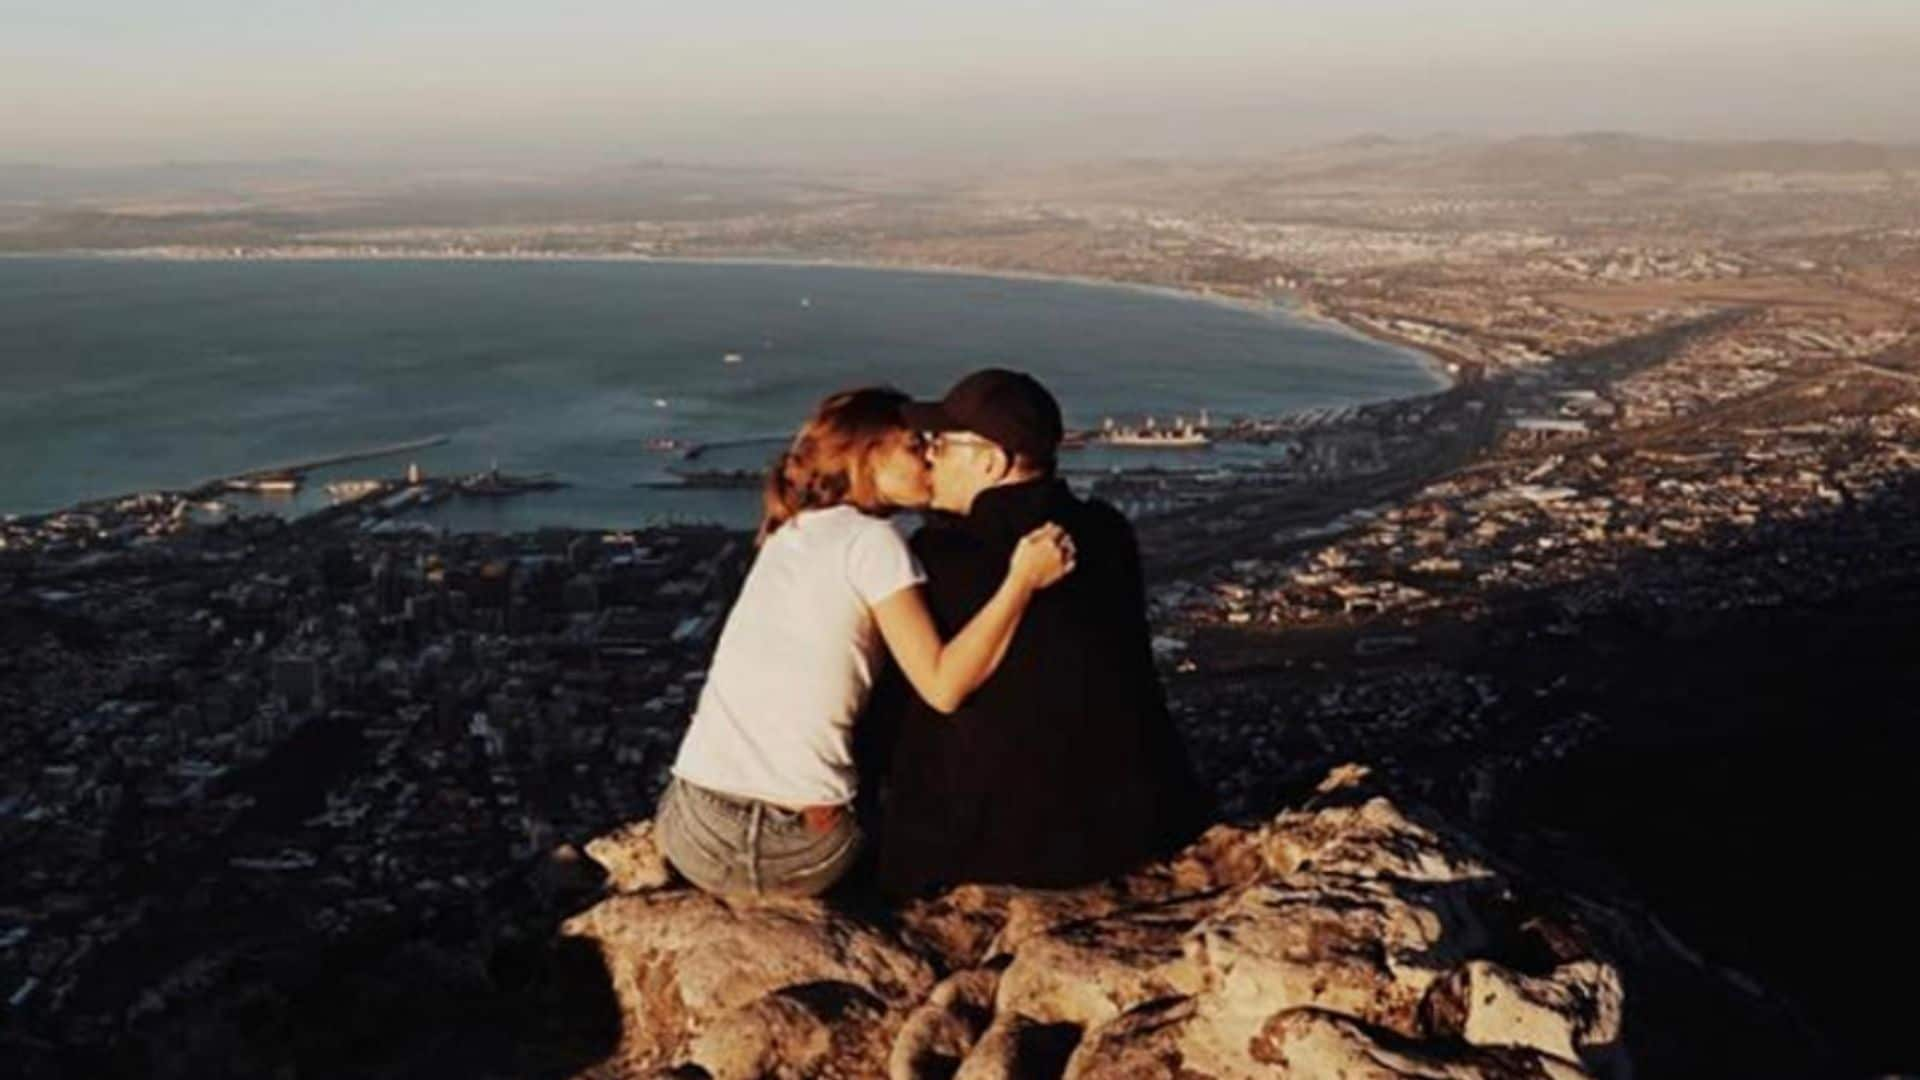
(1042,557)
(945,673)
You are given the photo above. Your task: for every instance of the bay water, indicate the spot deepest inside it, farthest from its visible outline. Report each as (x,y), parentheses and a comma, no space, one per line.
(120,375)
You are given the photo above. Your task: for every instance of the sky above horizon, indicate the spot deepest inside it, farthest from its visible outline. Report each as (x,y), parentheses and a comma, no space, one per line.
(858,80)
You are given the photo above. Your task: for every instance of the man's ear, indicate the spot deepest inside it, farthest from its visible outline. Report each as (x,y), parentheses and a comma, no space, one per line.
(1002,464)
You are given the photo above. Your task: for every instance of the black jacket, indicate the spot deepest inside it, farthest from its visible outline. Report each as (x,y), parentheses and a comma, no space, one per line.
(1063,768)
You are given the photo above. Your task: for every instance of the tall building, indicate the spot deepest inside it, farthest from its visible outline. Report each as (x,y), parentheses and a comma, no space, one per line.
(389,586)
(581,551)
(297,679)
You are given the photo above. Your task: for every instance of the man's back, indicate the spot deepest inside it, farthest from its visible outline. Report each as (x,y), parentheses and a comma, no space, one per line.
(1064,767)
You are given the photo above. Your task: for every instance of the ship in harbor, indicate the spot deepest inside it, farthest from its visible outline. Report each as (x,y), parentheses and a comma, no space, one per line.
(273,484)
(349,490)
(495,484)
(1181,434)
(708,478)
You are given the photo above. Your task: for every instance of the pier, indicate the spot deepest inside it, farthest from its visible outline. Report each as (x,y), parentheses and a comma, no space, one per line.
(693,452)
(355,455)
(298,467)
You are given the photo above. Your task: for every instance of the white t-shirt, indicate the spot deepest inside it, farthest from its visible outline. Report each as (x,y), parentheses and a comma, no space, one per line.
(797,660)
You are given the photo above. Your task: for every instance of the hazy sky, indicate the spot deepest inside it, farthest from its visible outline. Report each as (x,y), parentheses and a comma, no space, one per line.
(138,80)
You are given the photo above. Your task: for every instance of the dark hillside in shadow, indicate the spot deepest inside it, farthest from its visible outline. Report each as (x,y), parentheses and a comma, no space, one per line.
(1721,735)
(1754,788)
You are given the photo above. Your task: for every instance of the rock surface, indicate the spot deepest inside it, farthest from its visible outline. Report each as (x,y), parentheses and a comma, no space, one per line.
(1346,938)
(631,858)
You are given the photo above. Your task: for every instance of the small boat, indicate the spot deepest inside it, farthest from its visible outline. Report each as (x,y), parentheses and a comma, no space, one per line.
(659,403)
(732,358)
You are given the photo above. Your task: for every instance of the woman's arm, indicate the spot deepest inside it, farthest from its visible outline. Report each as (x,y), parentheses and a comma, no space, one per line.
(945,674)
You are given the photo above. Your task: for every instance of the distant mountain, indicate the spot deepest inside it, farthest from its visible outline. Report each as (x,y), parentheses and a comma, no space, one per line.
(1449,162)
(54,207)
(38,182)
(1590,157)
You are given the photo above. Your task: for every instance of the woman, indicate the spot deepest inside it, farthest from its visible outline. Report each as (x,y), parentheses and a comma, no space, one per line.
(763,786)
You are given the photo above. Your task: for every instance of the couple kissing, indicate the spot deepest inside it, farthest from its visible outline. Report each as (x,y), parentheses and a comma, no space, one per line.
(976,703)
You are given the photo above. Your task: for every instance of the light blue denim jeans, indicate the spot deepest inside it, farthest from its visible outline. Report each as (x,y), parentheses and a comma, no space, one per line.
(730,845)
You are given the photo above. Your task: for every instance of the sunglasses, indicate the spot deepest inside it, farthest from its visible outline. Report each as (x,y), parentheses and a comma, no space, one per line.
(938,442)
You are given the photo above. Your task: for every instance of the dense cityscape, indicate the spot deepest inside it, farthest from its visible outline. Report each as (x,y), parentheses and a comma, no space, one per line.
(291,729)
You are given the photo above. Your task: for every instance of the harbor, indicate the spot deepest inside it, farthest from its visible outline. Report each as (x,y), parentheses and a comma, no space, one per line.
(284,490)
(1145,466)
(284,478)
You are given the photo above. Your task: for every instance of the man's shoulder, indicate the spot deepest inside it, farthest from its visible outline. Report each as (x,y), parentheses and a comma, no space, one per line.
(941,536)
(1096,519)
(1104,513)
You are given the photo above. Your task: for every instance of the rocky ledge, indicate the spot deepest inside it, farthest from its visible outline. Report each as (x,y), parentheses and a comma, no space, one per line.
(1346,938)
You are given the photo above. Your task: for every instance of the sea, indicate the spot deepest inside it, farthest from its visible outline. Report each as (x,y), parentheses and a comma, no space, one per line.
(120,375)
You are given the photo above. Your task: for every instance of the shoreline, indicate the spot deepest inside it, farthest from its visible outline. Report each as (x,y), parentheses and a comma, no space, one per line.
(1287,305)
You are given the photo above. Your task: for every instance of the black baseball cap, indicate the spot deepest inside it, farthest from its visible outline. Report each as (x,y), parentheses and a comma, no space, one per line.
(1009,407)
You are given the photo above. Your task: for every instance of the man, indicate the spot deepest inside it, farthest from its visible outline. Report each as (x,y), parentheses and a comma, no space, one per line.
(1063,768)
